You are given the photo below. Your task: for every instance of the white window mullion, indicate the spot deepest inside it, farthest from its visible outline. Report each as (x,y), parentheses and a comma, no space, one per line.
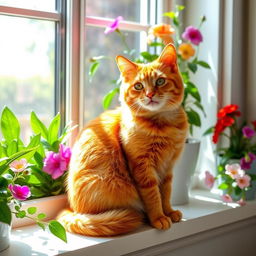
(28,13)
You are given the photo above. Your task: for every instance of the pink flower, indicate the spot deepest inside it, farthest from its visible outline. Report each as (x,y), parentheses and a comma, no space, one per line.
(248,132)
(247,161)
(241,202)
(20,192)
(209,179)
(193,35)
(56,164)
(65,152)
(113,26)
(227,198)
(243,181)
(19,165)
(234,170)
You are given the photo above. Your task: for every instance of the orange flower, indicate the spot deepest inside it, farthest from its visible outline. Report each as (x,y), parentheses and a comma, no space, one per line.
(163,31)
(186,51)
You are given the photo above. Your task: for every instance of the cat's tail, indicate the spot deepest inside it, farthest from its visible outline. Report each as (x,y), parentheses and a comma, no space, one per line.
(109,223)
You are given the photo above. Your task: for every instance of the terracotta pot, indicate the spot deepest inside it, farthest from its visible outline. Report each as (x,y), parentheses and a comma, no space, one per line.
(51,206)
(183,171)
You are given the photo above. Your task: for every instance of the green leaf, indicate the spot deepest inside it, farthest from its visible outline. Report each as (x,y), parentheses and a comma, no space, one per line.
(203,64)
(32,210)
(21,214)
(193,118)
(41,225)
(109,97)
(180,7)
(171,15)
(96,58)
(3,182)
(5,213)
(10,125)
(58,230)
(34,141)
(37,192)
(155,44)
(12,148)
(209,131)
(223,186)
(192,67)
(93,68)
(200,106)
(148,56)
(41,216)
(53,130)
(193,91)
(39,160)
(37,126)
(17,207)
(185,76)
(23,153)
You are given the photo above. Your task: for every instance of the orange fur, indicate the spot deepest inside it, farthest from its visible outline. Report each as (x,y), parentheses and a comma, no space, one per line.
(122,162)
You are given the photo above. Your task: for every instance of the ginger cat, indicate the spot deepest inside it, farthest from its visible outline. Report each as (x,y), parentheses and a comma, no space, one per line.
(121,166)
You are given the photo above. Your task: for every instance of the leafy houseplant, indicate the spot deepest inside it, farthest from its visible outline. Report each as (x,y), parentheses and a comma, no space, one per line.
(187,44)
(32,171)
(236,168)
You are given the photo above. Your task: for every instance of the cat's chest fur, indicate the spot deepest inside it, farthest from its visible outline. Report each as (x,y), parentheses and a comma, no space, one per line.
(157,139)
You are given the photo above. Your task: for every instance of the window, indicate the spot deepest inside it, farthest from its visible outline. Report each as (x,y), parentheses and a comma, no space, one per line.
(137,17)
(31,56)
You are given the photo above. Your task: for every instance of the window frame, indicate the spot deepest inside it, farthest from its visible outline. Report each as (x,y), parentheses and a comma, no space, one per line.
(58,17)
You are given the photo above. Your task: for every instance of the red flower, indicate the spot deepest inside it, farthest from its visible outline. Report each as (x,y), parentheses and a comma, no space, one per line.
(254,124)
(229,109)
(227,121)
(222,123)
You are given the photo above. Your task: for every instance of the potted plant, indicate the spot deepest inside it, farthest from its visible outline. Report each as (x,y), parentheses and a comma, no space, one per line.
(187,45)
(236,170)
(30,171)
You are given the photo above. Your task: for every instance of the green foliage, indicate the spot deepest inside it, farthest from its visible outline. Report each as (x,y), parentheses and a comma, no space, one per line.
(109,97)
(58,230)
(39,182)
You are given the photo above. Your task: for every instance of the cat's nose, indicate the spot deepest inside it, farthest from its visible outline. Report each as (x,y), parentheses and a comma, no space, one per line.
(150,94)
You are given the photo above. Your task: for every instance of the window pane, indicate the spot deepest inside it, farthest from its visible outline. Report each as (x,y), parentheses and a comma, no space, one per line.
(129,9)
(27,51)
(111,46)
(42,5)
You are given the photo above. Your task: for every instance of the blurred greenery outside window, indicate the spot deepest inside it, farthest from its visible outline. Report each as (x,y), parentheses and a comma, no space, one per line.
(30,58)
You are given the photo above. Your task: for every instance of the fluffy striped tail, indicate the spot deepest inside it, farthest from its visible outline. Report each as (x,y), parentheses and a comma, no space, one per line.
(109,223)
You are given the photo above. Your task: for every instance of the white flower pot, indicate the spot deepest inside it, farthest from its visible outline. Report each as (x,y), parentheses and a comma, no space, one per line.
(183,171)
(5,231)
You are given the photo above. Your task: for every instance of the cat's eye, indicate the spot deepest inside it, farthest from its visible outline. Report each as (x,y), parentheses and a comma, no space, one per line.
(160,81)
(138,86)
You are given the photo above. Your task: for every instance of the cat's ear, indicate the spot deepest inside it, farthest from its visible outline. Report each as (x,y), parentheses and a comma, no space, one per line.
(168,56)
(126,67)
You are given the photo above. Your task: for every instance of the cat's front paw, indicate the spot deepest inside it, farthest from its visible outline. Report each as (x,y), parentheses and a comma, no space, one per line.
(162,222)
(175,216)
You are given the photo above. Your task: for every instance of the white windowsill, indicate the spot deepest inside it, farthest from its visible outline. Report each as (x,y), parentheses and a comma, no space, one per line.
(202,214)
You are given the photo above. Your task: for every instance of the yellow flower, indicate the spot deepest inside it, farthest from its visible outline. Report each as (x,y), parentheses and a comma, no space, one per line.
(163,31)
(186,51)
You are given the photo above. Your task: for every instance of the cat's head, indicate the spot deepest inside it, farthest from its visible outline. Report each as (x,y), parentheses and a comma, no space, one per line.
(153,87)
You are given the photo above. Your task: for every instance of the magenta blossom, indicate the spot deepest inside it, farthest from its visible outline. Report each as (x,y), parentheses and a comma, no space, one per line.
(56,164)
(247,161)
(65,153)
(113,26)
(193,35)
(248,132)
(20,192)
